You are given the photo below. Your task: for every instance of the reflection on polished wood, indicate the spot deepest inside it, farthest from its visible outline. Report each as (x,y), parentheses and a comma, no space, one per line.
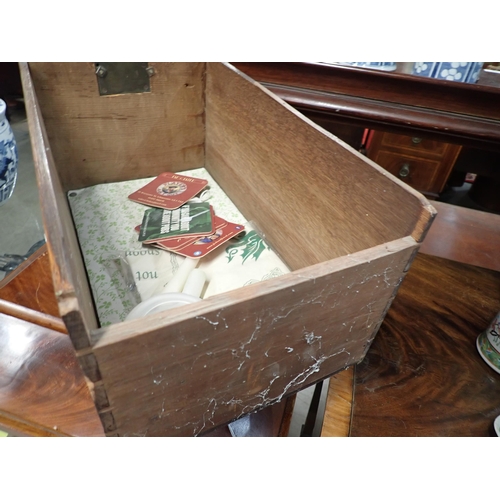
(30,284)
(405,104)
(26,314)
(423,375)
(15,426)
(464,235)
(42,388)
(41,381)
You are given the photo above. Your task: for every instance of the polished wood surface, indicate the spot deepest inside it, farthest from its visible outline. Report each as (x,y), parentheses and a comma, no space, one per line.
(342,99)
(27,292)
(14,426)
(460,233)
(42,383)
(423,375)
(32,316)
(32,289)
(448,111)
(462,236)
(337,417)
(37,418)
(417,127)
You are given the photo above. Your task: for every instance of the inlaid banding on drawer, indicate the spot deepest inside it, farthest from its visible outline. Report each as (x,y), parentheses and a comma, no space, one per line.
(420,173)
(415,144)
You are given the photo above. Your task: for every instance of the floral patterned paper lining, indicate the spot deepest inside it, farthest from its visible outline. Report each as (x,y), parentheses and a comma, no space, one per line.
(105,220)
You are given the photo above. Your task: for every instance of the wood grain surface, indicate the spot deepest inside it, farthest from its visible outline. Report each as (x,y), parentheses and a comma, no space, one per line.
(32,316)
(464,235)
(193,368)
(97,139)
(30,284)
(337,418)
(31,277)
(429,162)
(42,383)
(71,285)
(364,248)
(423,375)
(300,177)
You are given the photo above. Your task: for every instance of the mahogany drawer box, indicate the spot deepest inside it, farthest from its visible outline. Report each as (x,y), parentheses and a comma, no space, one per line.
(422,163)
(346,228)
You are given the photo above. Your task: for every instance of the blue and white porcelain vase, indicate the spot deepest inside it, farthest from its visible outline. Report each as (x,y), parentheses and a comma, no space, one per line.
(8,157)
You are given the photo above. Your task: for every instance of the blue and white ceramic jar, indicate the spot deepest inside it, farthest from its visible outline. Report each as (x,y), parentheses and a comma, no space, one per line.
(8,157)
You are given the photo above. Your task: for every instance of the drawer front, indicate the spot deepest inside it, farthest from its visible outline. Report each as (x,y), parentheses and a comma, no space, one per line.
(415,144)
(418,173)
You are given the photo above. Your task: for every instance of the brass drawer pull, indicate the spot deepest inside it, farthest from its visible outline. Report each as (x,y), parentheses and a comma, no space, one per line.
(416,140)
(405,170)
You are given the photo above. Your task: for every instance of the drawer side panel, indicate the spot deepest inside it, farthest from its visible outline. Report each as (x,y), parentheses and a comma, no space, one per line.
(314,197)
(68,273)
(267,342)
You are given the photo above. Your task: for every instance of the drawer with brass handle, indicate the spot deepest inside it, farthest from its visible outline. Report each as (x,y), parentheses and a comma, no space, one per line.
(419,173)
(422,163)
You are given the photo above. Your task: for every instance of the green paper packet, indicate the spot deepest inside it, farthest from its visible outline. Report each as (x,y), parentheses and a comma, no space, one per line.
(190,219)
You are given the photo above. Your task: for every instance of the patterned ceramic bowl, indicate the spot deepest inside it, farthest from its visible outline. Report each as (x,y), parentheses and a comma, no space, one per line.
(467,72)
(488,344)
(496,426)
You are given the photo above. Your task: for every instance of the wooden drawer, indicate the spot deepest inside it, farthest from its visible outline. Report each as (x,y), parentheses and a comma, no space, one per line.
(423,164)
(346,230)
(415,145)
(419,173)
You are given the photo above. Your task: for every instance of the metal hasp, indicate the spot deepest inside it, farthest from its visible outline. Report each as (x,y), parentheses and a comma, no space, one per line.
(123,77)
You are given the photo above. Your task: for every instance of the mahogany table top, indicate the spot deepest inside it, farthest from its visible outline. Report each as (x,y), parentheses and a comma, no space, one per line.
(423,375)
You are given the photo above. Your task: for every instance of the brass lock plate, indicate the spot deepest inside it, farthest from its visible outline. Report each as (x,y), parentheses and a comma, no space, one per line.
(123,78)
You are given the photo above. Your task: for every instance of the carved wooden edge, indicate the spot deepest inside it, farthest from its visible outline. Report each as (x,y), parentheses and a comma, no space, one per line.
(469,130)
(18,426)
(39,318)
(461,113)
(474,100)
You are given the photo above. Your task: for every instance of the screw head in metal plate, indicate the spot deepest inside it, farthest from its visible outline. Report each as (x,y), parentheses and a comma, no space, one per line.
(101,71)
